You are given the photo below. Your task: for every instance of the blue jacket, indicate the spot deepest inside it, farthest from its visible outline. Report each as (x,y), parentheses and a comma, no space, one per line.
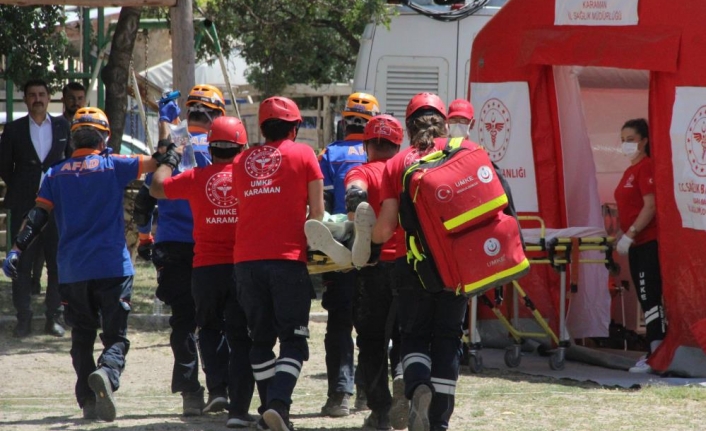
(335,162)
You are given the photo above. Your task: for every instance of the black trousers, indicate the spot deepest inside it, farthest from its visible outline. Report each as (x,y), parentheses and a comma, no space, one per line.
(173,261)
(647,278)
(276,296)
(375,290)
(47,242)
(337,299)
(431,328)
(223,335)
(91,305)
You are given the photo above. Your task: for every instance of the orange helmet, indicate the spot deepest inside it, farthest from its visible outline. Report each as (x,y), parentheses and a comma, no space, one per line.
(384,127)
(428,101)
(279,108)
(90,117)
(227,132)
(461,108)
(207,95)
(362,105)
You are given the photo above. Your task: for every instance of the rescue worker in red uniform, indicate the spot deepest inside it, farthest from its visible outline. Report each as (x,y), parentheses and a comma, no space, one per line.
(85,193)
(214,208)
(461,118)
(635,197)
(374,314)
(274,287)
(173,256)
(430,323)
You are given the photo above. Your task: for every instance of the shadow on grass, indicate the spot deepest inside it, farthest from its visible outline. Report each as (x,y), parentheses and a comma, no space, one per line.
(37,343)
(516,376)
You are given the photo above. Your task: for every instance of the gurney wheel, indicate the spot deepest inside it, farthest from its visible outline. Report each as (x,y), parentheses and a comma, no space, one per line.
(475,363)
(512,357)
(556,361)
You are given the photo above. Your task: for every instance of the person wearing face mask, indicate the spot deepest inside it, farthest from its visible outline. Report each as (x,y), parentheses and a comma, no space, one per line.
(460,121)
(635,197)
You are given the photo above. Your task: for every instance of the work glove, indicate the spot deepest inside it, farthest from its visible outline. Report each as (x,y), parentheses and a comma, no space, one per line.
(144,247)
(169,111)
(171,157)
(624,245)
(9,266)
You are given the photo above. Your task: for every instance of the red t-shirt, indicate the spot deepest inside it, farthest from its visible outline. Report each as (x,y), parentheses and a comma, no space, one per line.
(371,174)
(392,182)
(637,182)
(272,187)
(209,191)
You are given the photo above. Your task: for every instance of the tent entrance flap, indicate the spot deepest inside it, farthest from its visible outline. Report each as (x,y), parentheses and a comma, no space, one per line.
(621,47)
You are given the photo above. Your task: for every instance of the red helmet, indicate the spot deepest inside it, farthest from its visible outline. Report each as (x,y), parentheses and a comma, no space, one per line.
(425,100)
(279,108)
(384,127)
(461,108)
(227,132)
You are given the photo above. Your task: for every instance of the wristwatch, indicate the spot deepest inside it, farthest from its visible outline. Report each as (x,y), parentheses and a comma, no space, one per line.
(632,229)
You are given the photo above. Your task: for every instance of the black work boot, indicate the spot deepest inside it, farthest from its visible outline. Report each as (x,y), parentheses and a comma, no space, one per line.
(53,327)
(193,402)
(23,327)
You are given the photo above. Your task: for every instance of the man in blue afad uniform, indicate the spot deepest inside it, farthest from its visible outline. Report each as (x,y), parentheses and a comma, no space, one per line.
(173,256)
(335,161)
(85,193)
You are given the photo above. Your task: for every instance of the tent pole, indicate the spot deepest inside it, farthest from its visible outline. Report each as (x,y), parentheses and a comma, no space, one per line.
(214,38)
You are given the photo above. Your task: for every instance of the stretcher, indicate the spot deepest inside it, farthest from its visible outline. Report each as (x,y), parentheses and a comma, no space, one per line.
(319,263)
(560,248)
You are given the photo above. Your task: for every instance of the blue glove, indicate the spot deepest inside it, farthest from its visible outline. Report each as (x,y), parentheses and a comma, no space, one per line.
(169,111)
(9,266)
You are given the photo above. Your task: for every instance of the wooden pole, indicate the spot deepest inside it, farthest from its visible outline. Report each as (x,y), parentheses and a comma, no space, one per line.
(183,55)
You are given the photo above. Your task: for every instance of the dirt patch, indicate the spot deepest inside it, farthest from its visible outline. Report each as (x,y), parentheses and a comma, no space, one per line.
(36,393)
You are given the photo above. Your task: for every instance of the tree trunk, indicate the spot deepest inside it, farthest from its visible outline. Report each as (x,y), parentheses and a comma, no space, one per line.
(116,74)
(183,55)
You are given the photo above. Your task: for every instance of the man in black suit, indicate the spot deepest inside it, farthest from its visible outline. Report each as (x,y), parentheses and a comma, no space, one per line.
(28,147)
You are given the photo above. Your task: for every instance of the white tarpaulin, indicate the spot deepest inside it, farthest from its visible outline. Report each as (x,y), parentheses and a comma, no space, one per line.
(589,315)
(503,128)
(595,12)
(688,135)
(205,72)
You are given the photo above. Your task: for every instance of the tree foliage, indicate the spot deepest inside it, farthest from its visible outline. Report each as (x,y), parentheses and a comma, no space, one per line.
(294,41)
(33,44)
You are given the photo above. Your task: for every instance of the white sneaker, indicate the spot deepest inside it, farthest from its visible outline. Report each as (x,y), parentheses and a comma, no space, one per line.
(641,366)
(319,238)
(364,222)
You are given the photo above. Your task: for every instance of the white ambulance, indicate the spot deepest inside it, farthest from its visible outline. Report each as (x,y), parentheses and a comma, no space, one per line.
(426,48)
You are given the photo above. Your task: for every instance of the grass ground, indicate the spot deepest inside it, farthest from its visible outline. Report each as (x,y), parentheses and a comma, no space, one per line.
(144,286)
(36,392)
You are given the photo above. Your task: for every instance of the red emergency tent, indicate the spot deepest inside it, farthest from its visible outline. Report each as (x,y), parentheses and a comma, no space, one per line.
(526,44)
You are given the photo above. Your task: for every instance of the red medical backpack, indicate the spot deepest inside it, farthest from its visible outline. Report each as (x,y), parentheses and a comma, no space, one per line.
(458,237)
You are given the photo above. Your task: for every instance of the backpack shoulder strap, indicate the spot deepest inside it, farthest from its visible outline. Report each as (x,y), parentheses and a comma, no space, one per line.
(454,143)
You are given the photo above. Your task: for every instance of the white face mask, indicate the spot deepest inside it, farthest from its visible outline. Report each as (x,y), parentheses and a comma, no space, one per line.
(459,130)
(629,149)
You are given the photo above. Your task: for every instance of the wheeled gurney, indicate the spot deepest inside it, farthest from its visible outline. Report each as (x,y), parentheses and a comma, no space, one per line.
(556,247)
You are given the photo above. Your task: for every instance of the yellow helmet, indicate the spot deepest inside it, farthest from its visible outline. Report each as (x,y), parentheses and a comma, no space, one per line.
(362,105)
(207,95)
(90,117)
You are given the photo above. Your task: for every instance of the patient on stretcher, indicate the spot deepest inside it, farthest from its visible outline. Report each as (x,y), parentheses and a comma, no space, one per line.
(336,235)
